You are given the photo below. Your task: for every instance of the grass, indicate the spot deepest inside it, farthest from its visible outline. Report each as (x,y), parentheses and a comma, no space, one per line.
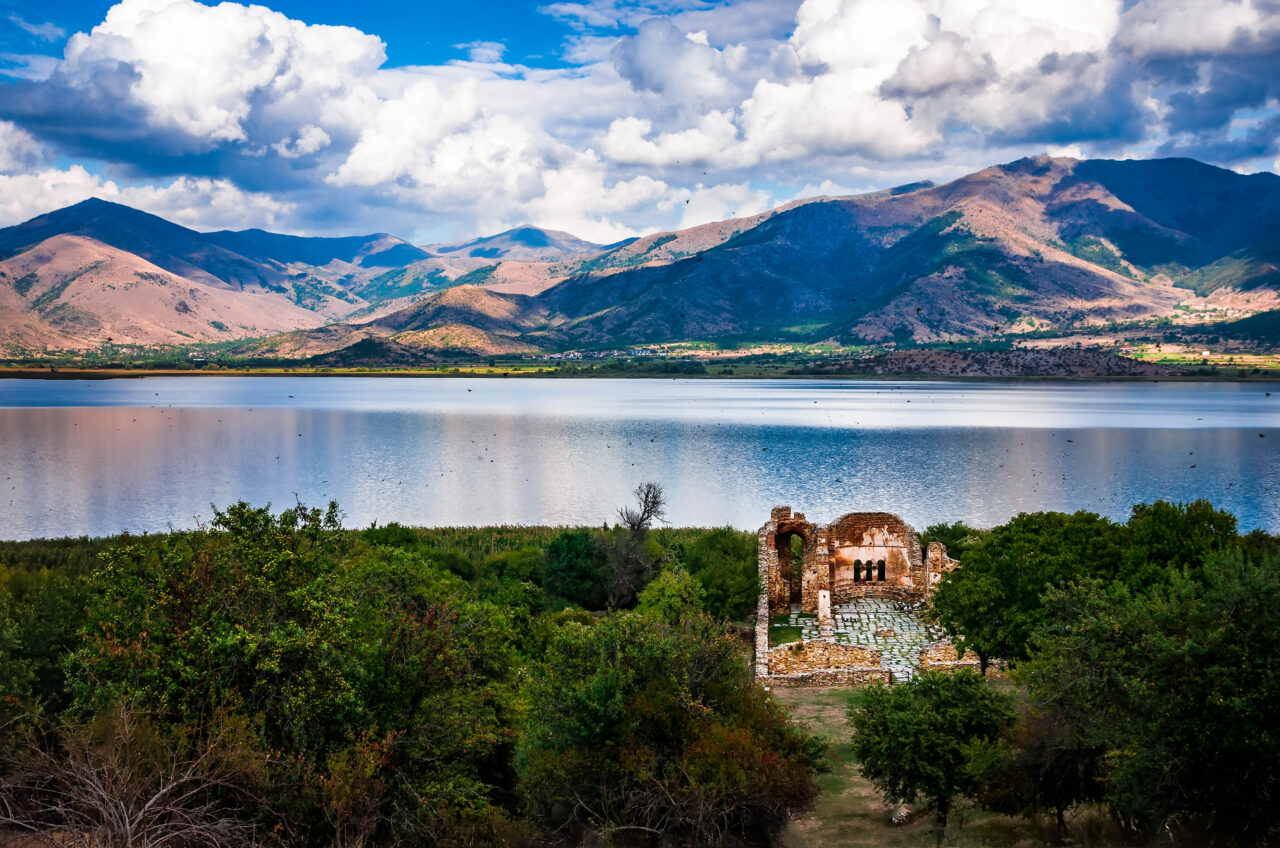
(782,631)
(851,812)
(1226,364)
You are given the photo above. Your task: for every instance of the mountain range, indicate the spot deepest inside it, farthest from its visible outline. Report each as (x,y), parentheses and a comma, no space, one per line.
(1045,245)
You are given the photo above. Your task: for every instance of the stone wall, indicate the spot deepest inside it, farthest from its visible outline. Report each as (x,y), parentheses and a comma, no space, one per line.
(943,656)
(821,663)
(832,677)
(816,655)
(866,539)
(937,563)
(832,554)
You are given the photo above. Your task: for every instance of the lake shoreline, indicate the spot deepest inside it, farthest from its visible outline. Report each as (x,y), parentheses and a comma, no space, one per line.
(402,373)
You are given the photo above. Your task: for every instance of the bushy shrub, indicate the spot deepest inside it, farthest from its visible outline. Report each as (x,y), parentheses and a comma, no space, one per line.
(637,725)
(926,738)
(379,686)
(574,568)
(724,561)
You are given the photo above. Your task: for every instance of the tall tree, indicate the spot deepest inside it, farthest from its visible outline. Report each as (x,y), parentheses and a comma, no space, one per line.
(629,564)
(1178,685)
(993,604)
(918,740)
(646,724)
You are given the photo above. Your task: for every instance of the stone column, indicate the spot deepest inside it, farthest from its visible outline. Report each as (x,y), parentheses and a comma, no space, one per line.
(826,629)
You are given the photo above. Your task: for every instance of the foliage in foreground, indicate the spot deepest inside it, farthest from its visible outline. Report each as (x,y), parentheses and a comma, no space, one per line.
(408,686)
(1143,654)
(648,723)
(994,604)
(926,739)
(1175,691)
(311,686)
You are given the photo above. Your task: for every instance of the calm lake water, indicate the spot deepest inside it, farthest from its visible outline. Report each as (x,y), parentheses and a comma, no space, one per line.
(100,457)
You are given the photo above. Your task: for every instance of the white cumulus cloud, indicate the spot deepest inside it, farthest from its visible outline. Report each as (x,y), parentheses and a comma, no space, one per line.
(651,103)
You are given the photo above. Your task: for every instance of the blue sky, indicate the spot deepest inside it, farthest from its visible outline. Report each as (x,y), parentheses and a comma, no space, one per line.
(415,33)
(605,118)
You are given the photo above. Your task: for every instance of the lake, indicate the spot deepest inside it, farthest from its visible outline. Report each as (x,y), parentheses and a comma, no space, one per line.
(100,457)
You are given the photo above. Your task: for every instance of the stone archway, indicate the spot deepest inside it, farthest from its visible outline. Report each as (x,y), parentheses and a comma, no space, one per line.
(791,542)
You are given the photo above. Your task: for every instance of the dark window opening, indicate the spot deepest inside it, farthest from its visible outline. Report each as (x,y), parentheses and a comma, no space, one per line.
(880,571)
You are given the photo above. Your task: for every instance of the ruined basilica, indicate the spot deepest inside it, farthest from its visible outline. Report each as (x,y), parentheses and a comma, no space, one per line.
(833,571)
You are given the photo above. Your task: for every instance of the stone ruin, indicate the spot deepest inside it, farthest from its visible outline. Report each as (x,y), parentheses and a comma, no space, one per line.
(860,555)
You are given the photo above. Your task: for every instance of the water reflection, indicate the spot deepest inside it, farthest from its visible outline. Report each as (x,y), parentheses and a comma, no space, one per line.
(140,454)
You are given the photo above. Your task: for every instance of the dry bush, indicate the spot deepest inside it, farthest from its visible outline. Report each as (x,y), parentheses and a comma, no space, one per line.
(120,782)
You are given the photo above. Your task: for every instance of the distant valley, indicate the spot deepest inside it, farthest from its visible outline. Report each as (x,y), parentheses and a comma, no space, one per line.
(1041,247)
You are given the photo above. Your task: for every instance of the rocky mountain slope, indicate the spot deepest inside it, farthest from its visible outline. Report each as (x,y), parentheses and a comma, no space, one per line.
(95,271)
(1041,244)
(70,292)
(1036,244)
(522,244)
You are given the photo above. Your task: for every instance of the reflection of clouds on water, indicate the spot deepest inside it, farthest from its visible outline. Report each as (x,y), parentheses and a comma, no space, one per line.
(570,451)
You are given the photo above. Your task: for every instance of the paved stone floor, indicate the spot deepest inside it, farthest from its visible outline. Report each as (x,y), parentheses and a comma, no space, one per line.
(857,623)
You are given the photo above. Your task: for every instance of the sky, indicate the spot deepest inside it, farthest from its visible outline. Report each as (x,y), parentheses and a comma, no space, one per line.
(603,118)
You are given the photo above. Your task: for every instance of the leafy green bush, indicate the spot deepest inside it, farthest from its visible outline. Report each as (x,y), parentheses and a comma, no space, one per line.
(993,603)
(637,726)
(381,689)
(574,569)
(724,561)
(1176,687)
(958,537)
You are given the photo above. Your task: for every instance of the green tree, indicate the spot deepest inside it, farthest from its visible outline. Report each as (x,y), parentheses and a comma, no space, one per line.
(382,689)
(437,683)
(1164,536)
(958,537)
(640,727)
(1177,685)
(1043,766)
(993,604)
(241,613)
(628,559)
(724,561)
(925,739)
(574,568)
(45,584)
(16,681)
(673,597)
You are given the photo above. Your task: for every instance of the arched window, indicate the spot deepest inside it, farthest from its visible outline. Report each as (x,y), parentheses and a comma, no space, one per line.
(857,571)
(880,571)
(870,576)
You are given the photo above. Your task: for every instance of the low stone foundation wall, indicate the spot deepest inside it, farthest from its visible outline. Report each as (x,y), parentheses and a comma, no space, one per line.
(831,677)
(845,591)
(943,656)
(822,663)
(799,657)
